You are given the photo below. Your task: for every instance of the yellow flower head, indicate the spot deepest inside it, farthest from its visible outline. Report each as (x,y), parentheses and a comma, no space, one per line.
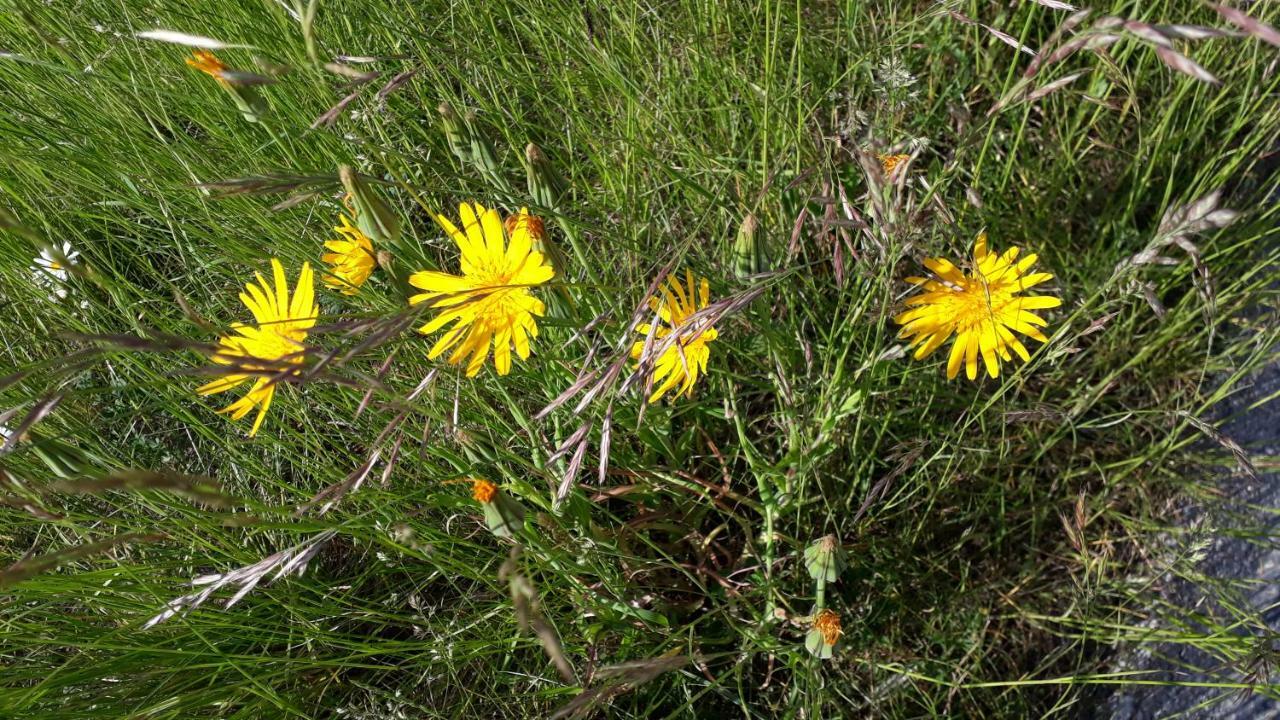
(827,622)
(483,491)
(982,309)
(208,63)
(681,363)
(351,261)
(276,339)
(491,303)
(889,163)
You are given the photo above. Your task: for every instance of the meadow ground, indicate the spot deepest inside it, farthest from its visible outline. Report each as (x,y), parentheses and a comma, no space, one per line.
(823,526)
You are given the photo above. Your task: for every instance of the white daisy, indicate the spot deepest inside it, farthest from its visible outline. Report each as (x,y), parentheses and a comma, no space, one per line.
(50,269)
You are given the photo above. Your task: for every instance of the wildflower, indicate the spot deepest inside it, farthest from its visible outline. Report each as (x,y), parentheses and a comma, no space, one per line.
(491,303)
(502,514)
(532,224)
(50,268)
(824,634)
(683,360)
(981,308)
(270,346)
(483,491)
(246,98)
(209,64)
(351,261)
(889,163)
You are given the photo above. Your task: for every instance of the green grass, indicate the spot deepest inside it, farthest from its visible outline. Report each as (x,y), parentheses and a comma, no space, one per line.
(1014,531)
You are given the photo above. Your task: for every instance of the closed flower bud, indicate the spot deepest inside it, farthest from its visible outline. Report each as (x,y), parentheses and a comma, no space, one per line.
(385,259)
(750,257)
(373,216)
(546,187)
(455,133)
(482,154)
(824,559)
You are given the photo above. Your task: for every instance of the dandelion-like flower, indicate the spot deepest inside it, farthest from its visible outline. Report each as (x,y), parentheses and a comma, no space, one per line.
(532,224)
(268,347)
(49,269)
(828,623)
(209,64)
(491,303)
(351,261)
(483,491)
(824,634)
(890,163)
(686,358)
(503,515)
(982,309)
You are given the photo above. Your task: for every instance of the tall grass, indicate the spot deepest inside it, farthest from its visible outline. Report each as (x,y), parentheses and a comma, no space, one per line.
(1002,536)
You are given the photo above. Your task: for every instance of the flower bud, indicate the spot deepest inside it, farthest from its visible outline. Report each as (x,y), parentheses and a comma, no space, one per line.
(824,559)
(482,154)
(373,216)
(546,187)
(246,98)
(455,133)
(385,260)
(537,229)
(750,256)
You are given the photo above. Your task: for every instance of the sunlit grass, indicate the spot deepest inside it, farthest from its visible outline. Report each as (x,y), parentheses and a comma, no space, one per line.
(1000,535)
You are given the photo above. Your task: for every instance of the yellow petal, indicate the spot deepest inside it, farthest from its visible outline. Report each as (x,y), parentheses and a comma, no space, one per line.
(494,235)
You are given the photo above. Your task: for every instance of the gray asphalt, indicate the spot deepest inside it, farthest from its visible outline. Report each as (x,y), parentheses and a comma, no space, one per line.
(1258,431)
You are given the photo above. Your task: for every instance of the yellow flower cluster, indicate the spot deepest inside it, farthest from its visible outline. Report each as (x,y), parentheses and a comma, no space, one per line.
(490,308)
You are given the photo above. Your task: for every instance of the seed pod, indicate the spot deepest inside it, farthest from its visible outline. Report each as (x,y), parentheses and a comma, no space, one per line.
(373,216)
(750,256)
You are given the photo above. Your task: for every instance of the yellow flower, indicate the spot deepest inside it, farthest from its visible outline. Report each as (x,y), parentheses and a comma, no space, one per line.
(209,64)
(276,339)
(483,491)
(491,302)
(351,261)
(889,163)
(982,309)
(681,363)
(828,623)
